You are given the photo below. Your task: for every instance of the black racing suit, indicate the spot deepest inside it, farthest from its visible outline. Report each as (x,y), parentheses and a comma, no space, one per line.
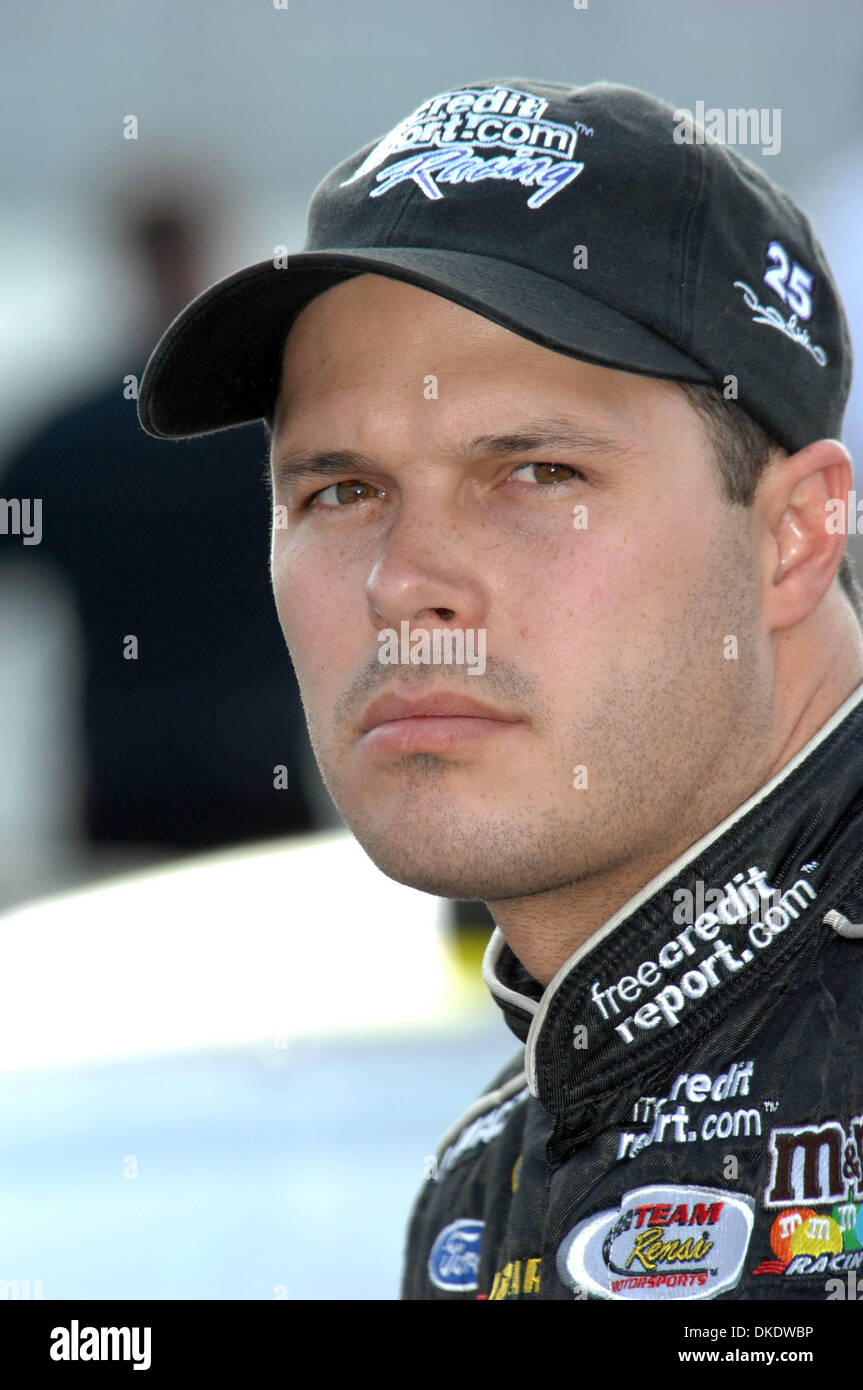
(685,1119)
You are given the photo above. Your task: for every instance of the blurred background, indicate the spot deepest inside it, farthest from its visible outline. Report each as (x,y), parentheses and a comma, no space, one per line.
(227,1043)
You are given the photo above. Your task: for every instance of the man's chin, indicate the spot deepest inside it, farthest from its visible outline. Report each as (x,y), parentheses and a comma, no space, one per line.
(457,846)
(414,867)
(445,871)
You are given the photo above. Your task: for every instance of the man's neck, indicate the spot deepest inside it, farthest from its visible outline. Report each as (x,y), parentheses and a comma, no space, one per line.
(545,929)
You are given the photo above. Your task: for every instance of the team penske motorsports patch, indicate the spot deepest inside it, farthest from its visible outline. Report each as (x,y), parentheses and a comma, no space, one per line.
(662,1242)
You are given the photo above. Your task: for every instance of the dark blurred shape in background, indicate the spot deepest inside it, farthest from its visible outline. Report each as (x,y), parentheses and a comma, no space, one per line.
(183,743)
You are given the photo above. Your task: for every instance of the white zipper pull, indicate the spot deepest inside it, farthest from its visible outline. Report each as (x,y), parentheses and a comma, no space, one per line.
(841,924)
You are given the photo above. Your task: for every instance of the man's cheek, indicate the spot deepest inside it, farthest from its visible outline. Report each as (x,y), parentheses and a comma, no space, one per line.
(299,581)
(297,608)
(594,584)
(325,643)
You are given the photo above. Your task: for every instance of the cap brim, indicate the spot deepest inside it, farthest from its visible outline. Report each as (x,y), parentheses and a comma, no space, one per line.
(218,364)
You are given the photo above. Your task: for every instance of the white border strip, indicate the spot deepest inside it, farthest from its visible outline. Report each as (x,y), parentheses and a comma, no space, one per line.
(490,958)
(490,1101)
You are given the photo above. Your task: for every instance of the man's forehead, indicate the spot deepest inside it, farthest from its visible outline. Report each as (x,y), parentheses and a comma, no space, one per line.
(358,302)
(371,335)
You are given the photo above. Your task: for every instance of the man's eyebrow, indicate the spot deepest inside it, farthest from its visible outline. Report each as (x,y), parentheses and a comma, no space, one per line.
(295,465)
(545,434)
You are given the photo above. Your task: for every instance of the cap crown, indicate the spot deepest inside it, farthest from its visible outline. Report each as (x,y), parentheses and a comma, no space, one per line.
(612,193)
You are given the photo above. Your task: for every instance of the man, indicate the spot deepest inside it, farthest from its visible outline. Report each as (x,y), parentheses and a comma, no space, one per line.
(182,726)
(567,384)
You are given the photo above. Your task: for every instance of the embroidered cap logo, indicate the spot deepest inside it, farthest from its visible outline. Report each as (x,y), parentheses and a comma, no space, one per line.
(450,127)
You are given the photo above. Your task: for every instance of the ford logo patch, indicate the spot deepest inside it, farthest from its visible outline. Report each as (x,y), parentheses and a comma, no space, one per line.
(454,1258)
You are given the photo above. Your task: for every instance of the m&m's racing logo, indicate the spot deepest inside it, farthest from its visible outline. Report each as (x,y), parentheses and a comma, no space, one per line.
(805,1241)
(662,1242)
(454,1258)
(815,1166)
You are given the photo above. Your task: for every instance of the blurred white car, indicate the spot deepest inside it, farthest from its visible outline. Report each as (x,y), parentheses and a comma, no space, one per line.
(224,1078)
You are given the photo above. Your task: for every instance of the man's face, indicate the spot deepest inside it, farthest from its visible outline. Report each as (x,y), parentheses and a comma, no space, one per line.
(606,626)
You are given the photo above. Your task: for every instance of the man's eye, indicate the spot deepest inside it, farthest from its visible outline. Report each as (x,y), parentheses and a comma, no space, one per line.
(339,494)
(547,473)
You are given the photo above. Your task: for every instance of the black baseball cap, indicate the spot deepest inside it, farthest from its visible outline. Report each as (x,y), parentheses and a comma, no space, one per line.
(596,221)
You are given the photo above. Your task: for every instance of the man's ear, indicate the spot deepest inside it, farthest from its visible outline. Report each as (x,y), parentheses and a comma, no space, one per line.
(798,503)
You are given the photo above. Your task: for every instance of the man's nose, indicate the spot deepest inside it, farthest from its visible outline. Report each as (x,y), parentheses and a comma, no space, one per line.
(427,572)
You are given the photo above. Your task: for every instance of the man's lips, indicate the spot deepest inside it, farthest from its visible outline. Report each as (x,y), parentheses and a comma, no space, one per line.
(431,723)
(389,708)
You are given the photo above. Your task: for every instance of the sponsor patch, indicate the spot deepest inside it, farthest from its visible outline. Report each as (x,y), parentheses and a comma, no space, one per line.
(515,1176)
(446,140)
(750,911)
(662,1242)
(809,1242)
(517,1279)
(701,1111)
(481,1131)
(815,1163)
(810,1166)
(454,1259)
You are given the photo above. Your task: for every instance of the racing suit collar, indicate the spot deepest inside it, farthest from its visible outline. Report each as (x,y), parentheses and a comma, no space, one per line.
(710,931)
